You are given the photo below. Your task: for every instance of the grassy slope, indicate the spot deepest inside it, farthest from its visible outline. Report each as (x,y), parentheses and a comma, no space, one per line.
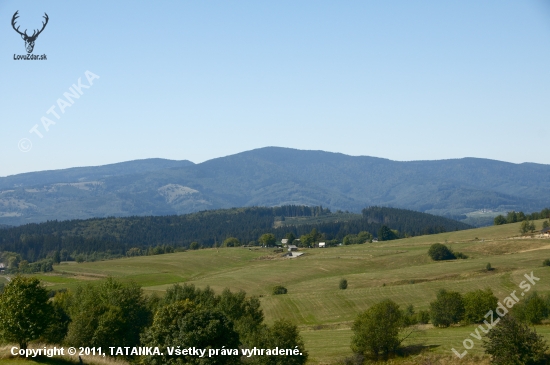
(399,270)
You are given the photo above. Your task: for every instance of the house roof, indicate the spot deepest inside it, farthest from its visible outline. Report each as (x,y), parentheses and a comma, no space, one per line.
(292,246)
(545,230)
(284,240)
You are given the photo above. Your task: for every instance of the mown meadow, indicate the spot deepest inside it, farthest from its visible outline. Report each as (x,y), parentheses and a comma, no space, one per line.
(399,270)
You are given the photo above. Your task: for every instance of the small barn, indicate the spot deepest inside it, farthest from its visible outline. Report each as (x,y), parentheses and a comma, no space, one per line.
(545,232)
(292,248)
(284,241)
(322,244)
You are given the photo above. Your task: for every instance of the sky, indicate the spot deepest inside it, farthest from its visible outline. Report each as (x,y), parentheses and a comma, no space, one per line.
(404,80)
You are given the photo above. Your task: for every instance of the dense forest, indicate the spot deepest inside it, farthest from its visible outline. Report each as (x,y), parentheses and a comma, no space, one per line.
(112,237)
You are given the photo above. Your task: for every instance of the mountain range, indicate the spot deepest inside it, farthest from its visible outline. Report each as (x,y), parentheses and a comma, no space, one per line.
(273,176)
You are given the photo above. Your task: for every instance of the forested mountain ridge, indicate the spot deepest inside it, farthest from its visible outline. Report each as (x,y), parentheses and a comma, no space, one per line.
(275,176)
(115,236)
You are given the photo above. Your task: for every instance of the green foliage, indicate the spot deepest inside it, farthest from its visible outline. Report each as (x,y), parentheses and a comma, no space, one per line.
(107,313)
(194,245)
(410,318)
(279,289)
(545,224)
(267,239)
(231,242)
(527,226)
(343,284)
(376,331)
(499,220)
(59,324)
(386,234)
(488,267)
(546,262)
(185,324)
(308,240)
(477,303)
(532,310)
(460,255)
(25,313)
(447,309)
(513,343)
(290,237)
(360,238)
(439,251)
(423,317)
(284,335)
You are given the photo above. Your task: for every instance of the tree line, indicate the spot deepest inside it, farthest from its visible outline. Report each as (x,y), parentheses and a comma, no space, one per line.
(96,239)
(514,217)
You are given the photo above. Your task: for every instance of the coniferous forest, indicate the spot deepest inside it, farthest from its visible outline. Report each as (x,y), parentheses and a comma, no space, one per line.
(114,237)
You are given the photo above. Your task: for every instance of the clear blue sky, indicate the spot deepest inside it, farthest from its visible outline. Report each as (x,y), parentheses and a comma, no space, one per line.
(404,80)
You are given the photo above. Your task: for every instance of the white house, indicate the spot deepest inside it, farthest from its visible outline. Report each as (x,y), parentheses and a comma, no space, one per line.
(284,241)
(322,245)
(292,248)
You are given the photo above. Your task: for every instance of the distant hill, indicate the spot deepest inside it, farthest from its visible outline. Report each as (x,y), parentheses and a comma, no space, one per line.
(274,176)
(115,236)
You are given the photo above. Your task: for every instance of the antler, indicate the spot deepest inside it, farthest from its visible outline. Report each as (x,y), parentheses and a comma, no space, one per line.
(43,25)
(15,16)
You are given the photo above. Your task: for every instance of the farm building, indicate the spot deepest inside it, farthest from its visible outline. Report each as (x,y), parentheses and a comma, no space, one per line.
(545,232)
(322,245)
(284,241)
(292,248)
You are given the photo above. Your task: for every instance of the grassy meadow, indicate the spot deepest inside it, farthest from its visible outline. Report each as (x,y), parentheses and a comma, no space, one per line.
(400,270)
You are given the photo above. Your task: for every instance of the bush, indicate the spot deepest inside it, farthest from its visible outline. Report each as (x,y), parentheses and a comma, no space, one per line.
(512,342)
(460,255)
(343,284)
(439,252)
(546,262)
(376,331)
(489,267)
(194,246)
(423,317)
(533,310)
(447,309)
(279,289)
(477,303)
(409,316)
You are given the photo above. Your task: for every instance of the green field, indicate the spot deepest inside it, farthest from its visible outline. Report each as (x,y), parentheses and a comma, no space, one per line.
(399,270)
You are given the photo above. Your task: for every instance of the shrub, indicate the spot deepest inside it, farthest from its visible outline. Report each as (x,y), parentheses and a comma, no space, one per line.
(376,331)
(423,317)
(460,255)
(439,252)
(489,267)
(279,289)
(477,303)
(447,309)
(409,316)
(546,262)
(512,342)
(533,310)
(343,284)
(194,246)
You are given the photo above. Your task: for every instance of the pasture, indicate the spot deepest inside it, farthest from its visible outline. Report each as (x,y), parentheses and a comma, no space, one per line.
(400,270)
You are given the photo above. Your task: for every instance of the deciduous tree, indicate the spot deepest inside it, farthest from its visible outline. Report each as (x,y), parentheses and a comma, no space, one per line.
(25,313)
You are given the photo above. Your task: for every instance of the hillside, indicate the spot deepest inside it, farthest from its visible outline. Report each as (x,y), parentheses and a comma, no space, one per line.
(109,237)
(399,270)
(274,176)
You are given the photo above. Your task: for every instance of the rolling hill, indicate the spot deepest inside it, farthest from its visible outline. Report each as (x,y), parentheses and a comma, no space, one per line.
(273,176)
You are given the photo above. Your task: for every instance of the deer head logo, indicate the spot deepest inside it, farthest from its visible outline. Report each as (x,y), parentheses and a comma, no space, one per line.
(29,40)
